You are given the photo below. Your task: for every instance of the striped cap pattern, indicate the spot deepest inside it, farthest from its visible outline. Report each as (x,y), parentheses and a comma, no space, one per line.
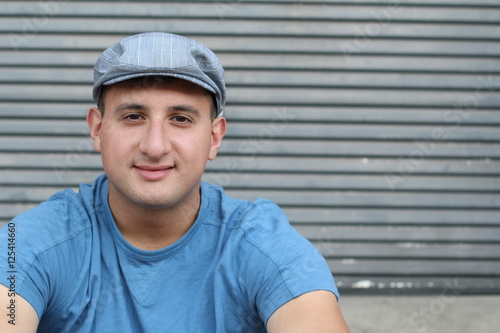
(163,54)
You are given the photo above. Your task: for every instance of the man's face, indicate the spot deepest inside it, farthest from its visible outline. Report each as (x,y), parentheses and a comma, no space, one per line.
(155,142)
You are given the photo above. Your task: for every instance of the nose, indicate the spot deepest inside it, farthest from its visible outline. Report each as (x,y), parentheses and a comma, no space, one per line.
(155,142)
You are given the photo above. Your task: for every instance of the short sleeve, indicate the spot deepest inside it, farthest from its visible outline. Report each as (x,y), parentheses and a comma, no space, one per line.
(44,256)
(280,263)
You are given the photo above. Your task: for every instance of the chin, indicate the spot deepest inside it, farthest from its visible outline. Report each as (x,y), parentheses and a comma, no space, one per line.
(153,204)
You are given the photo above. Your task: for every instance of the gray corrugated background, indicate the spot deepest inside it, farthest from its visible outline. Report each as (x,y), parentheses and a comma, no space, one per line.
(374,124)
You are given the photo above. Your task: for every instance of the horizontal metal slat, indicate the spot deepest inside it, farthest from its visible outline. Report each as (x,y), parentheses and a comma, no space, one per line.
(329,27)
(450,286)
(401,234)
(354,182)
(9,210)
(391,216)
(468,100)
(34,194)
(359,79)
(409,250)
(242,9)
(43,127)
(415,267)
(455,116)
(366,149)
(55,177)
(45,75)
(357,199)
(364,132)
(53,111)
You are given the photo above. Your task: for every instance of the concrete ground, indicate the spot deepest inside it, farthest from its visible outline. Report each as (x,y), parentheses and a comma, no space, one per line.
(422,314)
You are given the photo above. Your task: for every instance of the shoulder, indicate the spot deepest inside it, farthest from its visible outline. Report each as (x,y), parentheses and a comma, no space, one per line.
(60,217)
(231,210)
(260,221)
(259,228)
(269,261)
(64,215)
(53,228)
(49,227)
(51,242)
(275,261)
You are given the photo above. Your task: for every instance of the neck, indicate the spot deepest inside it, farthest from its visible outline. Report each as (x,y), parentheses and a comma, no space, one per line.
(154,228)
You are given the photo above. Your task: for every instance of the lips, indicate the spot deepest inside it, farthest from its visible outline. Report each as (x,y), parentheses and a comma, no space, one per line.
(151,173)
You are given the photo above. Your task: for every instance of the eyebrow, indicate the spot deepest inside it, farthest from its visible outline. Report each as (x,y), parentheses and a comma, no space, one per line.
(178,107)
(130,106)
(185,108)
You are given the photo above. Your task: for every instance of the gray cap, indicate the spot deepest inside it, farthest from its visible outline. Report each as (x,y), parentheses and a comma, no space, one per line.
(163,54)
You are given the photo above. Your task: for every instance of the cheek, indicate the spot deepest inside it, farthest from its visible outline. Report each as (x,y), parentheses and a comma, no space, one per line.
(113,143)
(198,149)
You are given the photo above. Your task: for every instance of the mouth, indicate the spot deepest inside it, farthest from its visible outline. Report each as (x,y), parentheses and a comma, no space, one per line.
(152,173)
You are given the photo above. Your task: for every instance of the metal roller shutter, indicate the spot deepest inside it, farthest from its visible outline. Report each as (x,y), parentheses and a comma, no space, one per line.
(374,124)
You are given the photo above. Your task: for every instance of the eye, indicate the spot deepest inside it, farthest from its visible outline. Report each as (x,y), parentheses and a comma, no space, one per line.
(181,119)
(133,117)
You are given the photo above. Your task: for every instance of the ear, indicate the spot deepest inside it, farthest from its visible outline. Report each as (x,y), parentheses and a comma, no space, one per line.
(218,131)
(94,121)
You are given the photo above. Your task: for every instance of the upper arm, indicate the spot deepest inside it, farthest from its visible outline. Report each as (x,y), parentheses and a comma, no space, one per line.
(19,317)
(316,311)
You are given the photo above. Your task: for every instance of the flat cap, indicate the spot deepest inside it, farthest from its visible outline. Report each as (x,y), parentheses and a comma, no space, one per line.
(161,54)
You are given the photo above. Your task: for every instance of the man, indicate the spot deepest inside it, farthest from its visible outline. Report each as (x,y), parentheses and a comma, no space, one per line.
(148,247)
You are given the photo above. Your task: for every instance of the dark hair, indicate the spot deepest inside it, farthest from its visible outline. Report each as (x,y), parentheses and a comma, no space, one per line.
(146,81)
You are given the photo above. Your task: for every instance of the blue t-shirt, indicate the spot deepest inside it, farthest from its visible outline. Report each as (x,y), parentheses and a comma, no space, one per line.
(235,266)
